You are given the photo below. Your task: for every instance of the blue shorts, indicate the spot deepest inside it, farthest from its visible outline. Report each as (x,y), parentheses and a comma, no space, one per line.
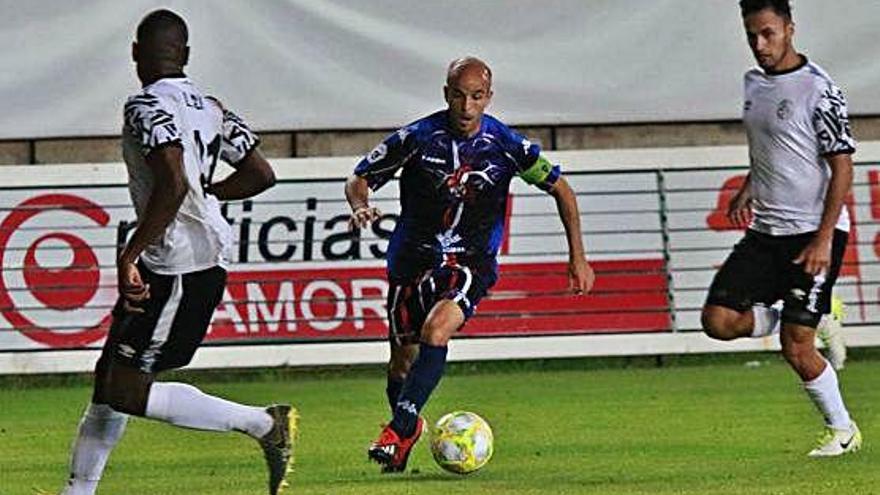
(410,299)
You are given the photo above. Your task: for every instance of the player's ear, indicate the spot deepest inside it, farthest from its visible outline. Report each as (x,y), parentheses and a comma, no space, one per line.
(134,51)
(446,93)
(185,56)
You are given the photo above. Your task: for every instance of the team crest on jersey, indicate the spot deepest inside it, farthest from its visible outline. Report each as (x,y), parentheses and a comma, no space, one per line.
(378,153)
(783,110)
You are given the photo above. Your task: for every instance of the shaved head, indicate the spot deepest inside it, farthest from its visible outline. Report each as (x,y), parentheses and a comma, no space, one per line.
(468,92)
(468,64)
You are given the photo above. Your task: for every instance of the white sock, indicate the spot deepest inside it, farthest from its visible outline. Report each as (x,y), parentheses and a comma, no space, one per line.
(184,405)
(766,320)
(99,430)
(825,393)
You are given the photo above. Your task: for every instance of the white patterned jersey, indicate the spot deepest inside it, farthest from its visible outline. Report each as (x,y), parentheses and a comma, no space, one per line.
(173,111)
(793,120)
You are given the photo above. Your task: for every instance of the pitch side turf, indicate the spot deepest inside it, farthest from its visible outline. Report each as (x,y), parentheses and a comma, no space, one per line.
(716,428)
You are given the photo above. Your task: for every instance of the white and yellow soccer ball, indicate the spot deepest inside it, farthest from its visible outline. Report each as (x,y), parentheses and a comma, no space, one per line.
(462,442)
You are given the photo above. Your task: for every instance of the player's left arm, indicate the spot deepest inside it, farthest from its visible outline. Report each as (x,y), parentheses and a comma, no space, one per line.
(239,148)
(836,144)
(816,256)
(536,170)
(580,272)
(252,175)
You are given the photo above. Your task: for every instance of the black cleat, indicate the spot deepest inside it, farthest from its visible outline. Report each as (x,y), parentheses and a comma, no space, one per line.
(277,445)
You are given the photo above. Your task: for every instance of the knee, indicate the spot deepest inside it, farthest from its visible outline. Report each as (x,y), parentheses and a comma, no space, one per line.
(124,400)
(123,393)
(798,352)
(442,322)
(435,335)
(718,325)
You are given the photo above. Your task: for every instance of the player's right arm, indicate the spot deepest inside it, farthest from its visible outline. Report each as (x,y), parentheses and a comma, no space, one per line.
(357,192)
(739,210)
(374,170)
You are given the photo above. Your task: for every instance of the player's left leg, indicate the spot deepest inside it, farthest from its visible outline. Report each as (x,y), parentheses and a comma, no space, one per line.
(808,299)
(100,429)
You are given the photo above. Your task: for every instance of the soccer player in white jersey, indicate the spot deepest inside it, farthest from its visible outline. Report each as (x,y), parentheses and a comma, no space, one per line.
(172,271)
(800,148)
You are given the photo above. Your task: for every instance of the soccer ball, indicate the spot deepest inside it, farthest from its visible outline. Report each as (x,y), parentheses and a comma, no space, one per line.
(461,442)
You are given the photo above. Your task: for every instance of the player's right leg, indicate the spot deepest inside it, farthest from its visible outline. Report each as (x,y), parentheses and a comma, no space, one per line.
(165,336)
(395,442)
(406,314)
(402,357)
(739,302)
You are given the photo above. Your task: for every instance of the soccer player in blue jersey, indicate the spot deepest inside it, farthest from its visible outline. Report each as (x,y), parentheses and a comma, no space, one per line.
(456,166)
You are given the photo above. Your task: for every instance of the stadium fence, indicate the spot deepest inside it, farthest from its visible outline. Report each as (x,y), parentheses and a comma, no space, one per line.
(304,291)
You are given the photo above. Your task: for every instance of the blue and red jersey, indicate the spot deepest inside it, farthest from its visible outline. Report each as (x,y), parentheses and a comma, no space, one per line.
(453,190)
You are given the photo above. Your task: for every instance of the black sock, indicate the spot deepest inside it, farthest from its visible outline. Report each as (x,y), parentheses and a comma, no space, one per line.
(392,390)
(423,377)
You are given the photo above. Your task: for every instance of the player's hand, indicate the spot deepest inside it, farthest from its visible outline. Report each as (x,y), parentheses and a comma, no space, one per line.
(816,257)
(131,287)
(580,276)
(363,216)
(739,211)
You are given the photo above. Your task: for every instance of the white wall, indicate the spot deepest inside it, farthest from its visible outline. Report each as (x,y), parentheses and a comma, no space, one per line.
(320,64)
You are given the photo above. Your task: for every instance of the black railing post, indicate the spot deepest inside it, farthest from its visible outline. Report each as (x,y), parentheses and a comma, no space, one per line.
(667,255)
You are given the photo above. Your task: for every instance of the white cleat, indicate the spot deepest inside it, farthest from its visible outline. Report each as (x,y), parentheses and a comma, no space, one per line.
(838,442)
(830,333)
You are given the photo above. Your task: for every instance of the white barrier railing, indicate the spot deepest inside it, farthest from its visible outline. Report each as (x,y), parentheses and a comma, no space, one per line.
(305,292)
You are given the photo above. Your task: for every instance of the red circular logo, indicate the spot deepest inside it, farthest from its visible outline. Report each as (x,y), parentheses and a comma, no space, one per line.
(65,288)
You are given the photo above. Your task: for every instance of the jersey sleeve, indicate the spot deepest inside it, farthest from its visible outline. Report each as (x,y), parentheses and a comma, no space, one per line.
(831,121)
(532,167)
(151,122)
(238,138)
(380,164)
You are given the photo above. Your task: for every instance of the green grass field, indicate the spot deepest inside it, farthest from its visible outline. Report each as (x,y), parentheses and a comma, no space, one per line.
(560,428)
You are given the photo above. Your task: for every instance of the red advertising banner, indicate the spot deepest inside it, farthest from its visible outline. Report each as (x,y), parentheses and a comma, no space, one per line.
(300,276)
(529,298)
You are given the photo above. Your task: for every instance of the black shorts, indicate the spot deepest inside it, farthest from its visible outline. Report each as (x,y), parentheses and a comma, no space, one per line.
(760,271)
(411,299)
(173,324)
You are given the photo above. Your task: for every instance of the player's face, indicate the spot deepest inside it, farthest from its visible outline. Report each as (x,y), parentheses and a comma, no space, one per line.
(769,36)
(468,95)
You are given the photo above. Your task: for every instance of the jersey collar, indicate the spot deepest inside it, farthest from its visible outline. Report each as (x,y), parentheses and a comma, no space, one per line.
(801,65)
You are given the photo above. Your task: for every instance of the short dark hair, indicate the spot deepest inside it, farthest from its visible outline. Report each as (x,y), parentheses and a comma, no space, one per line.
(781,7)
(162,22)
